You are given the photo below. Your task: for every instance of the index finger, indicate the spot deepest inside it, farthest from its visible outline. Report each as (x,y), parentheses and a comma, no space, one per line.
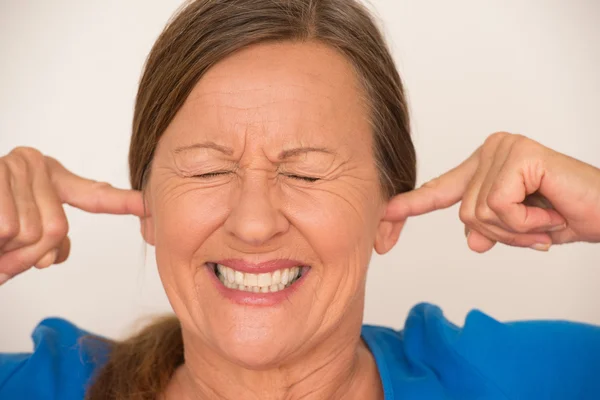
(439,193)
(93,196)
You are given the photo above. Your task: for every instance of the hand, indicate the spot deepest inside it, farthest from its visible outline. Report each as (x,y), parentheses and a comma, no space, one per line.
(33,225)
(500,186)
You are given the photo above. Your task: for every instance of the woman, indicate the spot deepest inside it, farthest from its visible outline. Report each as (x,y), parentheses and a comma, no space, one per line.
(270,154)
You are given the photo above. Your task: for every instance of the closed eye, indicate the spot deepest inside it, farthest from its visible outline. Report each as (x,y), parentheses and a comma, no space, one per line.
(302,178)
(212,174)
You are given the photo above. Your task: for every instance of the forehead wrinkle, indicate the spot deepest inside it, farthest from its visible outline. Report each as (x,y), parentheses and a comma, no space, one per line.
(234,101)
(226,79)
(267,111)
(271,121)
(228,96)
(303,128)
(243,99)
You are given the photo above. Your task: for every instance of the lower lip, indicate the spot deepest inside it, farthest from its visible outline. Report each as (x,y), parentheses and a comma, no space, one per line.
(255,299)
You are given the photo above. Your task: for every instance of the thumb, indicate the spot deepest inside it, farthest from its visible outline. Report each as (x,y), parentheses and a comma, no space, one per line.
(439,193)
(93,196)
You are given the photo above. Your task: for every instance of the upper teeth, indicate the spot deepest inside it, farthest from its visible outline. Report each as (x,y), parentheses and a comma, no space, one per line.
(264,282)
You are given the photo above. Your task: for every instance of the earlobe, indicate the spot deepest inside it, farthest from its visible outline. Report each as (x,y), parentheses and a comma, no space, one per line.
(147,224)
(147,229)
(389,228)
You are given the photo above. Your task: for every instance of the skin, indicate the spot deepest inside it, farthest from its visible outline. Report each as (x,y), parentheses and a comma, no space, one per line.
(248,201)
(515,191)
(259,103)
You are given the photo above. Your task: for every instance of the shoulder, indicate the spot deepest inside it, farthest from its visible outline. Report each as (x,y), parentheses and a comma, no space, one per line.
(63,360)
(486,358)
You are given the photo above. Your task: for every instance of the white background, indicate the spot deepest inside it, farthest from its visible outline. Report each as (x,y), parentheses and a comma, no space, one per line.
(68,76)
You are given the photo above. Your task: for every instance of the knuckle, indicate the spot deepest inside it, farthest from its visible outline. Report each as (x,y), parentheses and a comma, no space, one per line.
(495,200)
(522,145)
(522,140)
(465,215)
(483,213)
(51,162)
(23,159)
(28,153)
(30,233)
(57,228)
(17,164)
(99,187)
(8,228)
(496,137)
(37,163)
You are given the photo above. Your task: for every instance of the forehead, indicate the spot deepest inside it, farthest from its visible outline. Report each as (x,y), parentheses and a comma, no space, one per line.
(290,90)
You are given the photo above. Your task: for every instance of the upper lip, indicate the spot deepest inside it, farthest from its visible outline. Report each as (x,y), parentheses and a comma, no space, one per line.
(262,267)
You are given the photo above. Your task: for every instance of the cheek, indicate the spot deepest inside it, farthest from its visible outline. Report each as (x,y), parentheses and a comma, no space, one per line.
(337,223)
(186,217)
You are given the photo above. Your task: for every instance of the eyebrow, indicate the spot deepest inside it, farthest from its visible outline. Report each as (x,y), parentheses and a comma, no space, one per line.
(205,145)
(285,154)
(302,150)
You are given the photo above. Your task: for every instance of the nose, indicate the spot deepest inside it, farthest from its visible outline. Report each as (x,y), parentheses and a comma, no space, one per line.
(254,218)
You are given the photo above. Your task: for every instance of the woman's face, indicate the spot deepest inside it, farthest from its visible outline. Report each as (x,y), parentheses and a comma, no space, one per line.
(266,180)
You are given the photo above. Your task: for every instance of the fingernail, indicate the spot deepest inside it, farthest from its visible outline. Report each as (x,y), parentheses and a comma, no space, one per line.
(3,278)
(557,228)
(541,246)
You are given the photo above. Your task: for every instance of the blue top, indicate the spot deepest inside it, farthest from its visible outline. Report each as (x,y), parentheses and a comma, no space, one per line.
(429,359)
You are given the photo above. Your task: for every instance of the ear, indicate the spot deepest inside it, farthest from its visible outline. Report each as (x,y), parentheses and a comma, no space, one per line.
(147,223)
(388,230)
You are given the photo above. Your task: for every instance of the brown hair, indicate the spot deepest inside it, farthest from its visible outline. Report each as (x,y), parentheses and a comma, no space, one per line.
(202,33)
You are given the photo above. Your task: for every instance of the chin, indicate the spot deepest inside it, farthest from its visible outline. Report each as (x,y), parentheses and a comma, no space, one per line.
(256,348)
(255,330)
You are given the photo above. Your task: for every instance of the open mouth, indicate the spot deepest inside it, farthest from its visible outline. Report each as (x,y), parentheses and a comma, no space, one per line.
(266,282)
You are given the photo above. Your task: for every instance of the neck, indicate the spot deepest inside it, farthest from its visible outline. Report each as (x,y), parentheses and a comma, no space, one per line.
(340,367)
